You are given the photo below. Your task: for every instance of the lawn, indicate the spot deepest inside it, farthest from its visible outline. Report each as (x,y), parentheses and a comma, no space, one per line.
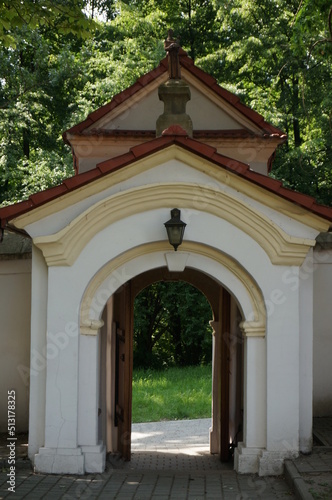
(172,394)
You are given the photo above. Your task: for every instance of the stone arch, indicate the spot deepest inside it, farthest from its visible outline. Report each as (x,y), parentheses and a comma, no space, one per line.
(203,283)
(152,255)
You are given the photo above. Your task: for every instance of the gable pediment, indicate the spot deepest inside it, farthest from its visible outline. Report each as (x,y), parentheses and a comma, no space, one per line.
(121,173)
(141,111)
(211,107)
(172,172)
(218,117)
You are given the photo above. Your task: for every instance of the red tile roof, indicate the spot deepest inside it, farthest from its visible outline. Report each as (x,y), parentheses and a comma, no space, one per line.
(187,63)
(170,137)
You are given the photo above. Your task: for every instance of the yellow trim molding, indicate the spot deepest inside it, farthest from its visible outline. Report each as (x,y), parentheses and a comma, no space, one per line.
(174,152)
(63,247)
(254,327)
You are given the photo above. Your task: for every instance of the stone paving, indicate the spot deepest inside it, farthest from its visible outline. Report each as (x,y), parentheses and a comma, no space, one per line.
(170,460)
(177,465)
(311,475)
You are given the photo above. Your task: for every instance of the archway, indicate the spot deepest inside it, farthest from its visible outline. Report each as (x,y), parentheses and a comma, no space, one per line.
(130,272)
(117,349)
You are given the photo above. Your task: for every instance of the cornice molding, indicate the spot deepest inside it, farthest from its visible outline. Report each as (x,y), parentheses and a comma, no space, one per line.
(63,247)
(223,175)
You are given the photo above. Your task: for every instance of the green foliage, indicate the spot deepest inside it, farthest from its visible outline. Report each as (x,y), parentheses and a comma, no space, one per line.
(49,82)
(34,105)
(105,9)
(171,326)
(64,16)
(173,394)
(194,21)
(275,56)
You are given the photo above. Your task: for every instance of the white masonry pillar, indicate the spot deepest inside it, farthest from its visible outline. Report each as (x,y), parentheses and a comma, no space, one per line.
(246,457)
(88,400)
(216,389)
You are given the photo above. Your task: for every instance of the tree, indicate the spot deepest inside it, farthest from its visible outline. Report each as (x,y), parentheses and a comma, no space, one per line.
(105,9)
(63,16)
(35,97)
(194,21)
(275,56)
(171,326)
(269,55)
(49,82)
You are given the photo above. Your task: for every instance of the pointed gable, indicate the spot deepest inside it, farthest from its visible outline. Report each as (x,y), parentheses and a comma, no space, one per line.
(149,153)
(219,119)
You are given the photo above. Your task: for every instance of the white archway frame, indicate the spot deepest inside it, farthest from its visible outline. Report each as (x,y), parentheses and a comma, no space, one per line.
(152,255)
(224,270)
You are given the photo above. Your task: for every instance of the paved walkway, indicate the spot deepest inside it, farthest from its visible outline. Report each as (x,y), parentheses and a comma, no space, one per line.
(171,460)
(311,475)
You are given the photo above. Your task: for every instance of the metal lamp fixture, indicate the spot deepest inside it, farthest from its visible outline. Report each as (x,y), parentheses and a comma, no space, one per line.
(175,228)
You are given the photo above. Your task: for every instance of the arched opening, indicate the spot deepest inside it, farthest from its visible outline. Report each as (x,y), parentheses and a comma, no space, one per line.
(172,370)
(116,350)
(171,326)
(106,320)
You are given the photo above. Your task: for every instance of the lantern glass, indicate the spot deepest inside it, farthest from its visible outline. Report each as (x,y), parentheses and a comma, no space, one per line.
(175,228)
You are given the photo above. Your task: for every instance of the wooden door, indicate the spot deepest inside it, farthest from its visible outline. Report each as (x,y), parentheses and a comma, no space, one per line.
(123,315)
(224,375)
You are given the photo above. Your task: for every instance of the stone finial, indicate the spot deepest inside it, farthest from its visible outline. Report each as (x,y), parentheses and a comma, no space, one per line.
(172,48)
(175,94)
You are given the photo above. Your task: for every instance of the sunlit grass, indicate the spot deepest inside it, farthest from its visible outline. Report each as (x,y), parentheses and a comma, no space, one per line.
(173,394)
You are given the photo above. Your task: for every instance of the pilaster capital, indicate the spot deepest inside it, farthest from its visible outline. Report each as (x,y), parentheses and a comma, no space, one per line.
(91,326)
(253,328)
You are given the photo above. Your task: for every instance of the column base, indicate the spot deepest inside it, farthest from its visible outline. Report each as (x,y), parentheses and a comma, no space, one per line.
(271,463)
(214,442)
(94,458)
(260,461)
(71,460)
(60,461)
(246,460)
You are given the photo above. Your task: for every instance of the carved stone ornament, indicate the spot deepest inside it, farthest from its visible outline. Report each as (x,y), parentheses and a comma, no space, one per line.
(172,48)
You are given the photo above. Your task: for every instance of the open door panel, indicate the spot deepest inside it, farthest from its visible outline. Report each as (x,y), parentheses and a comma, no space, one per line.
(224,375)
(123,369)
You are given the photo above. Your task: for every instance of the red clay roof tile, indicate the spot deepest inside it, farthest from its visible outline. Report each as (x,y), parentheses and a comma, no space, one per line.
(151,147)
(119,161)
(85,178)
(174,130)
(11,211)
(48,195)
(145,148)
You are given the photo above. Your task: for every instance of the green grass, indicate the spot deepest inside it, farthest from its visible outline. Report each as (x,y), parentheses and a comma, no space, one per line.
(172,394)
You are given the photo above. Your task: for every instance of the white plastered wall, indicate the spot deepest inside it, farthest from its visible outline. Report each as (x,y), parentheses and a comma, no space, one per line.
(15,280)
(239,229)
(177,172)
(274,419)
(38,352)
(322,347)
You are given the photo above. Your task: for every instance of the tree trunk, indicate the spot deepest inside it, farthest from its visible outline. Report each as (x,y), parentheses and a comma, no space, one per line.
(191,34)
(296,101)
(26,143)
